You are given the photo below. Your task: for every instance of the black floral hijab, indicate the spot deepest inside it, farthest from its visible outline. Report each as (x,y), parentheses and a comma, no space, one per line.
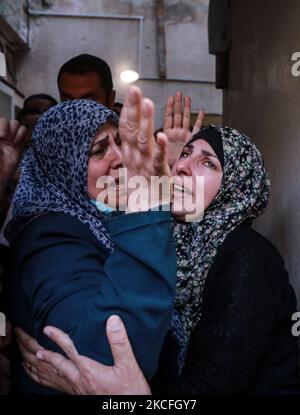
(243,194)
(54,168)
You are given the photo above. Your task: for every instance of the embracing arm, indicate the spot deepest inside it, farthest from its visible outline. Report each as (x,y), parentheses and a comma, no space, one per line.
(72,285)
(247,297)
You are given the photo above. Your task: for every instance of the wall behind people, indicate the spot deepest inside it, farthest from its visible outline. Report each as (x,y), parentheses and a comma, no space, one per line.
(263,100)
(188,66)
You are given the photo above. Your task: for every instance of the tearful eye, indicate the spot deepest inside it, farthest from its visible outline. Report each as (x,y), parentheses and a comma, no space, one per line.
(209,164)
(184,154)
(100,151)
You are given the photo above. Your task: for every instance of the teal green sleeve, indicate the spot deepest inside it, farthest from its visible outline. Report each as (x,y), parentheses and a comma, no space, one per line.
(75,286)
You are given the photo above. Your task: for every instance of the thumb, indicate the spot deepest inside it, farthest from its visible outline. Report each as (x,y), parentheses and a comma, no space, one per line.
(198,123)
(119,343)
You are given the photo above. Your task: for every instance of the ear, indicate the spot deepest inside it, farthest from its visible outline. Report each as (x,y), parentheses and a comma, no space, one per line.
(111,99)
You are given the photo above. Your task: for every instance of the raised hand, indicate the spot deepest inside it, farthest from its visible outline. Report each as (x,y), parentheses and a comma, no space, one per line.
(142,155)
(12,138)
(177,121)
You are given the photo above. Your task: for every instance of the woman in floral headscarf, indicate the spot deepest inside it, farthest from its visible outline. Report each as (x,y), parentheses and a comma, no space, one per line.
(230,330)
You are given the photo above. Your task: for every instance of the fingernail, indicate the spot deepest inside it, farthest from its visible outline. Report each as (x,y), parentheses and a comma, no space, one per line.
(131,94)
(48,332)
(115,323)
(40,356)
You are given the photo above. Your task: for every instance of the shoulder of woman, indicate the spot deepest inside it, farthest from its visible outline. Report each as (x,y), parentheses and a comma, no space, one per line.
(53,228)
(246,257)
(245,241)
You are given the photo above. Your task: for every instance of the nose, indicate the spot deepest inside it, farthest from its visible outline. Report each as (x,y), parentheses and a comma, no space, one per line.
(117,158)
(183,167)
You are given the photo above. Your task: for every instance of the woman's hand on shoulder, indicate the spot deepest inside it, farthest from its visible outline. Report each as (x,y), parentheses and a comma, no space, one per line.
(80,375)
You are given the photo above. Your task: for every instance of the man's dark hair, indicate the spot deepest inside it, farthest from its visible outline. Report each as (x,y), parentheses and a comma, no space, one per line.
(32,109)
(40,96)
(83,64)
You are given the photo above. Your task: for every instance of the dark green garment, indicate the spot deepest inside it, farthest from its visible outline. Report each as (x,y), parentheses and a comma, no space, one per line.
(62,276)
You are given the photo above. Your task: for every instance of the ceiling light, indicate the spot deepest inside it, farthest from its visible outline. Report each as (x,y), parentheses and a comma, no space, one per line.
(129,76)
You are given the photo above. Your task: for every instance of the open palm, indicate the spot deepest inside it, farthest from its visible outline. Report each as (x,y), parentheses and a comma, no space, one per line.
(11,146)
(177,121)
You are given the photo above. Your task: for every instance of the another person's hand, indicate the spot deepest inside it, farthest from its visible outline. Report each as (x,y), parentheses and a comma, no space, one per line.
(177,121)
(12,140)
(80,375)
(143,156)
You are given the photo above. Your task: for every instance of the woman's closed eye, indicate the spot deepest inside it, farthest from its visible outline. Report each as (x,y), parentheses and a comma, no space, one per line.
(98,150)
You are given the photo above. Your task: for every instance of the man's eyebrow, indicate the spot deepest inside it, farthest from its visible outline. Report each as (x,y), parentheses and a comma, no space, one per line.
(88,95)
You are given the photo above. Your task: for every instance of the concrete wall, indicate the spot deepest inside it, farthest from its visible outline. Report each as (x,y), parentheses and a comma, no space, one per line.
(53,40)
(14,14)
(263,100)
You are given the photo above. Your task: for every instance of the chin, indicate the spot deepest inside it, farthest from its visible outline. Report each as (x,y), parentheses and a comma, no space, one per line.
(179,216)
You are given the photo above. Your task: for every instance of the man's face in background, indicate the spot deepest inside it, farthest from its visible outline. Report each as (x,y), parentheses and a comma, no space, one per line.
(84,86)
(31,113)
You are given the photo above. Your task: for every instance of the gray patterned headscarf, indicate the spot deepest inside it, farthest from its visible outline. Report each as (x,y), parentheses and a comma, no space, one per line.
(54,168)
(243,194)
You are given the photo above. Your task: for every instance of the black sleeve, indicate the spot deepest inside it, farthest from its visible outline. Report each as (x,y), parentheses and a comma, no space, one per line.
(240,309)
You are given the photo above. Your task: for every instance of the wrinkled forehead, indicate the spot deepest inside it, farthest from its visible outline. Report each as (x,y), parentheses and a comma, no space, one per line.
(108,129)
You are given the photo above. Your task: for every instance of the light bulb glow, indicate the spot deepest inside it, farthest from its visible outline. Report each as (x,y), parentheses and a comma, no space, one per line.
(129,76)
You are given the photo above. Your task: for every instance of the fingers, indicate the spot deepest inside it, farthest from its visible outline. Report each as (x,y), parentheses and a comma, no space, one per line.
(64,367)
(160,155)
(174,118)
(13,128)
(187,113)
(178,110)
(130,115)
(145,136)
(31,373)
(119,343)
(27,341)
(20,134)
(12,131)
(63,341)
(4,128)
(168,117)
(198,123)
(27,356)
(48,380)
